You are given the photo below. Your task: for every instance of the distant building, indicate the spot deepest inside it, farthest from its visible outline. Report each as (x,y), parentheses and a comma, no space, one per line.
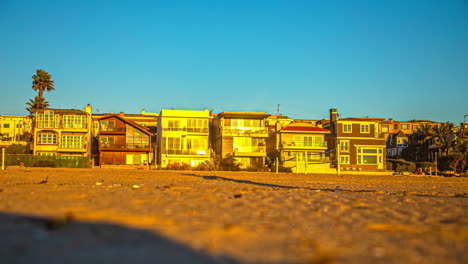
(242,135)
(123,142)
(362,146)
(14,129)
(62,132)
(300,147)
(183,137)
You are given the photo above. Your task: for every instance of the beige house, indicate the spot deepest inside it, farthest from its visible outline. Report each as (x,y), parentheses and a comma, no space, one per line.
(14,129)
(300,147)
(242,135)
(183,137)
(62,132)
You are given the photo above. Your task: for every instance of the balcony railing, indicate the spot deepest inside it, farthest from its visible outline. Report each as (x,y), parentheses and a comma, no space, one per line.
(304,144)
(186,152)
(112,129)
(250,149)
(251,131)
(189,129)
(124,146)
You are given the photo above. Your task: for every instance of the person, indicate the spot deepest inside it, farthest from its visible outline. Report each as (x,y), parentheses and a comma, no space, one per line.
(419,171)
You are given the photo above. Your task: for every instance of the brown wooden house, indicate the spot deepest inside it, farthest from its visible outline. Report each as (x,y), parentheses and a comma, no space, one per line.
(362,146)
(123,142)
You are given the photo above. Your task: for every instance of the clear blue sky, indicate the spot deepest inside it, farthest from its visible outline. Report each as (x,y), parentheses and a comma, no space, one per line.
(393,59)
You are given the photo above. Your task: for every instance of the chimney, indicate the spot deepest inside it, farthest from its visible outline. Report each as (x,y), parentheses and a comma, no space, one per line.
(88,109)
(121,114)
(333,115)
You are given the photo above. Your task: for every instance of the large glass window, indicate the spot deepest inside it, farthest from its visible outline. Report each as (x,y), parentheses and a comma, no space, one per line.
(197,125)
(108,125)
(47,138)
(107,142)
(74,121)
(136,138)
(48,119)
(404,126)
(369,156)
(72,141)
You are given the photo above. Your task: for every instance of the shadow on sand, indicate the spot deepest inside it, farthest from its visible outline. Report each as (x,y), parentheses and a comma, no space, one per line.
(27,239)
(396,193)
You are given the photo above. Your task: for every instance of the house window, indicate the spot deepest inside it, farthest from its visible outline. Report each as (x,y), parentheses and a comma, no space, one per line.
(385,129)
(47,120)
(74,121)
(395,126)
(174,143)
(107,141)
(72,141)
(404,126)
(369,156)
(347,128)
(108,125)
(173,125)
(365,128)
(136,139)
(6,125)
(344,159)
(46,153)
(47,139)
(197,125)
(344,145)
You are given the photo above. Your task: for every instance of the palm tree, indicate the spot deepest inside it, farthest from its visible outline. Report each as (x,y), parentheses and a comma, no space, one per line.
(443,137)
(36,104)
(42,81)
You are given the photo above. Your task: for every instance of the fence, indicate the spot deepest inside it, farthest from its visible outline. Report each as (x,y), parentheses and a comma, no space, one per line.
(28,160)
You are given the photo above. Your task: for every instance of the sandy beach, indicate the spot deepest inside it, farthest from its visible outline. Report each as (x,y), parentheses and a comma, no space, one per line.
(61,215)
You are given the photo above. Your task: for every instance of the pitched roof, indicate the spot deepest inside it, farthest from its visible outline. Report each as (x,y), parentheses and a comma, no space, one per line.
(130,122)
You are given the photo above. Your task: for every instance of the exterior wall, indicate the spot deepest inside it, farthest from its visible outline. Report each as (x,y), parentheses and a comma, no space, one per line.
(115,147)
(12,129)
(361,141)
(183,137)
(62,132)
(247,143)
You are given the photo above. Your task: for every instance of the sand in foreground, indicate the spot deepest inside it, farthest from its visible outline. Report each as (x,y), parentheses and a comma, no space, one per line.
(130,216)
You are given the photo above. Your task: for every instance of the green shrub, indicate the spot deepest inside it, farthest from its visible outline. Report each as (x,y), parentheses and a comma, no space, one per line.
(202,167)
(389,166)
(44,163)
(178,166)
(229,163)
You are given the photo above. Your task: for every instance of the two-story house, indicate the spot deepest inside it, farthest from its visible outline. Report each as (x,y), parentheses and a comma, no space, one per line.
(62,132)
(183,137)
(299,147)
(242,135)
(14,129)
(358,143)
(123,142)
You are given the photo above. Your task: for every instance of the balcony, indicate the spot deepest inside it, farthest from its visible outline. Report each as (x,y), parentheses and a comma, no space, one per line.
(254,151)
(112,129)
(188,152)
(139,146)
(303,144)
(189,130)
(250,132)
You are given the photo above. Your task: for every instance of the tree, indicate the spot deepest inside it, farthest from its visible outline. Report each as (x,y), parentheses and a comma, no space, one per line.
(443,137)
(36,104)
(42,81)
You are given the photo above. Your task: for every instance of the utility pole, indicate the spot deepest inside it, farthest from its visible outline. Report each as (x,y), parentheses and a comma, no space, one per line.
(338,169)
(3,158)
